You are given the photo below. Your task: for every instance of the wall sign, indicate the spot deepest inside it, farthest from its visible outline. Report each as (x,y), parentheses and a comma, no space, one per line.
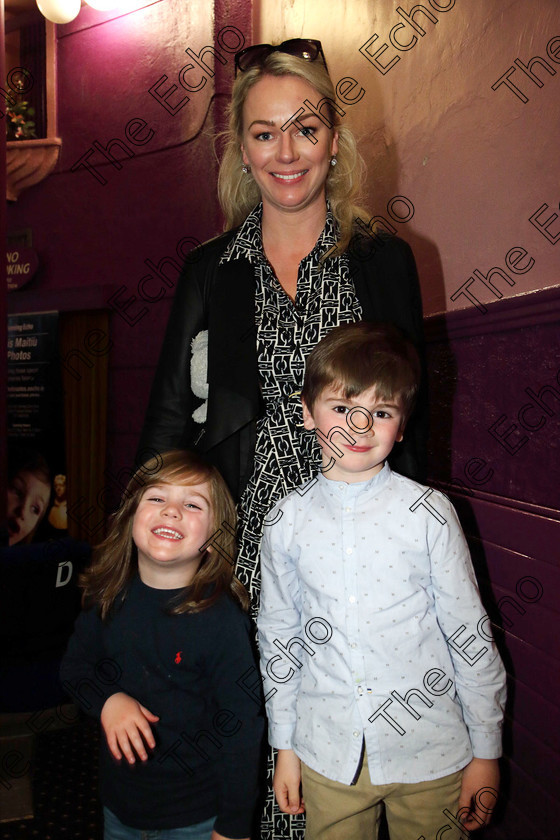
(22,265)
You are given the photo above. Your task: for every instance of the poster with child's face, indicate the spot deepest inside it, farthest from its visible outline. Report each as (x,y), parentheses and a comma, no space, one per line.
(36,495)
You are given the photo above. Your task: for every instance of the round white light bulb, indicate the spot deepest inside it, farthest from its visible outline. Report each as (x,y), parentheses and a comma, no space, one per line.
(59,11)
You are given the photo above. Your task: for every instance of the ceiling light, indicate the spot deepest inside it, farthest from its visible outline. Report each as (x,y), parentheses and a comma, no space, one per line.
(59,11)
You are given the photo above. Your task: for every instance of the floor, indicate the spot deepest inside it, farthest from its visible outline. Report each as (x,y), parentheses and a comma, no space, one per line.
(62,790)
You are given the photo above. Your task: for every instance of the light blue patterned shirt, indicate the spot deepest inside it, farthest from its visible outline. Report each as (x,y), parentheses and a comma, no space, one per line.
(371,628)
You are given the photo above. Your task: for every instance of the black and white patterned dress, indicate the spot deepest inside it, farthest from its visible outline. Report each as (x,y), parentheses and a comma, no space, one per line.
(286,455)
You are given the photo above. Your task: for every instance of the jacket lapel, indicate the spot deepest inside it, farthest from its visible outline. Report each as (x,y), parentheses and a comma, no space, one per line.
(362,284)
(234,399)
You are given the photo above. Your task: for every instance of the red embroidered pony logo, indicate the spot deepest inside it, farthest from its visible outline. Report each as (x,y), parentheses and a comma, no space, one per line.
(178,657)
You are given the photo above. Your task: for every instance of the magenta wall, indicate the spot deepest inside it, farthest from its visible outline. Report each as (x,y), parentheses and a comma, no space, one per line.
(94,238)
(495,424)
(3,327)
(474,159)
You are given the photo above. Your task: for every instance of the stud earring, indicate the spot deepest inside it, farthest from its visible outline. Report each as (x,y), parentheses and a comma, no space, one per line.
(245,168)
(333,161)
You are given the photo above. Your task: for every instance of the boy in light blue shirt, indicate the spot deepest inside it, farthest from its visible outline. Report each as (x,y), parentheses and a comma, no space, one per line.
(382,680)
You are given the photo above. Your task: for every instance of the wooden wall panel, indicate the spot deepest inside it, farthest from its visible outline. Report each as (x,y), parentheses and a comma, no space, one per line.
(512,523)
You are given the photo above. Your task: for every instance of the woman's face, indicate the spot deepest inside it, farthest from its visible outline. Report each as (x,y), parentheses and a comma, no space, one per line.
(59,485)
(289,168)
(28,498)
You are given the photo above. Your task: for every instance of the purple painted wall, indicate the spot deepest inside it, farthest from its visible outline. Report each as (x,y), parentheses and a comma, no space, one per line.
(3,327)
(495,393)
(475,162)
(495,423)
(97,227)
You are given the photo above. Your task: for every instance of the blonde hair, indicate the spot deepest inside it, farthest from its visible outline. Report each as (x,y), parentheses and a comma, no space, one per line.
(238,192)
(115,559)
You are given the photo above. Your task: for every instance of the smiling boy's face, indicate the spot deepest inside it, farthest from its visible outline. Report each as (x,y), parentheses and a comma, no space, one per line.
(170,525)
(27,500)
(356,434)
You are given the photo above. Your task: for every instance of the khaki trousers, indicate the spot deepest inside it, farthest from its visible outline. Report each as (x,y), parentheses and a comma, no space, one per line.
(352,812)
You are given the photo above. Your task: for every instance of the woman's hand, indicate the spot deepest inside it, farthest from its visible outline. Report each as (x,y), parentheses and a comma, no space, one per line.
(287,783)
(479,792)
(126,724)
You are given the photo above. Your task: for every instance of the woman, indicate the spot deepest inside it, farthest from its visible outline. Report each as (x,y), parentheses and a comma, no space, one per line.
(288,270)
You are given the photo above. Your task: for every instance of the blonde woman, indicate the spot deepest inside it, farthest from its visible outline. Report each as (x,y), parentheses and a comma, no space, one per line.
(288,270)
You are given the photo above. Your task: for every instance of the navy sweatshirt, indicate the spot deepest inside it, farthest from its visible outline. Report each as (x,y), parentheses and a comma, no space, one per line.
(198,673)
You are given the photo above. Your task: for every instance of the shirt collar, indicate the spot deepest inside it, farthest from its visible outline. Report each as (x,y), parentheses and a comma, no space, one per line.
(343,488)
(247,242)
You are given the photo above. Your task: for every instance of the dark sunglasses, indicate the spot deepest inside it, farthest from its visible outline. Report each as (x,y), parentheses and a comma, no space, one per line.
(299,47)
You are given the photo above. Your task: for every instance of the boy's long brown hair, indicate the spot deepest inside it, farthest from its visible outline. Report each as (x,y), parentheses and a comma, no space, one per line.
(116,560)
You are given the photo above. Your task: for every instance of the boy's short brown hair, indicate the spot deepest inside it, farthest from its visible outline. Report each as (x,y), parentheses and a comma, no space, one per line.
(355,357)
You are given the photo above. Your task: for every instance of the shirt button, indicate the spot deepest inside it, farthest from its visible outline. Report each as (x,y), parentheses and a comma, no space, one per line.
(353,645)
(348,551)
(352,599)
(348,509)
(355,733)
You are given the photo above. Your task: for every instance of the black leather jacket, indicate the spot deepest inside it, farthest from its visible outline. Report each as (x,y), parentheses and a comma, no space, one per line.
(220,298)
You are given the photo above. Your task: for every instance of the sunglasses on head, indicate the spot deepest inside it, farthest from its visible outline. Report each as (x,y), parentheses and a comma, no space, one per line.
(254,56)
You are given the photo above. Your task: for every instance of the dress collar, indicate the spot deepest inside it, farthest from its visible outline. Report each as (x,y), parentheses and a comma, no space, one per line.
(247,242)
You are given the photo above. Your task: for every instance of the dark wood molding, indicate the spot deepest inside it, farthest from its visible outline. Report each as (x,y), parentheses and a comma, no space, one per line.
(461,492)
(526,310)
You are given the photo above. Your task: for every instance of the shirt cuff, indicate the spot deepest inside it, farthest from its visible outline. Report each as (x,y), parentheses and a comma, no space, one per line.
(281,736)
(486,744)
